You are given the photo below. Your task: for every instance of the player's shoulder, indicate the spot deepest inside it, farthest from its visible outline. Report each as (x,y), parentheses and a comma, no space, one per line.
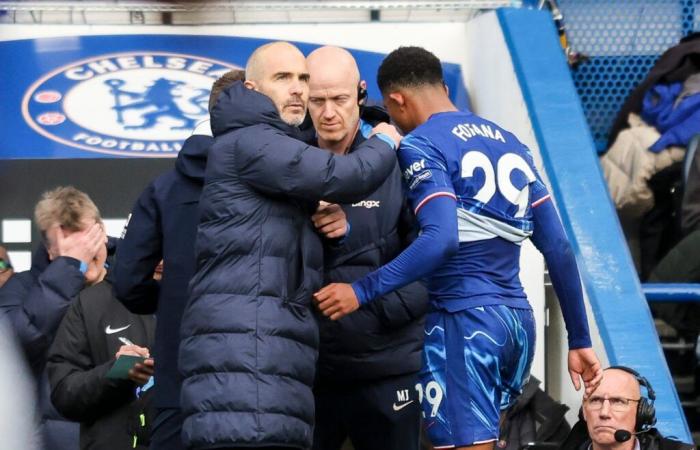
(434,132)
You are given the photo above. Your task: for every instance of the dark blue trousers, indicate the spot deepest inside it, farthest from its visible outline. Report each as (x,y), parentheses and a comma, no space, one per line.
(375,415)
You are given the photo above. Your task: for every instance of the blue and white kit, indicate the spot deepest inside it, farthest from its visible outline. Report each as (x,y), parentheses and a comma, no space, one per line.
(474,189)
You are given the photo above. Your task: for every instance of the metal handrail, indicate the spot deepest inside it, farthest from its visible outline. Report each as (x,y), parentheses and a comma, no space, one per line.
(671,292)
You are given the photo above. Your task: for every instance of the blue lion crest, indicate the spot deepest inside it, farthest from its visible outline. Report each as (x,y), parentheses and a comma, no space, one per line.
(160,94)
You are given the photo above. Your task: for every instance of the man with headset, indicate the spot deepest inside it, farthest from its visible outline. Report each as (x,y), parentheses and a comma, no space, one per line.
(617,416)
(369,361)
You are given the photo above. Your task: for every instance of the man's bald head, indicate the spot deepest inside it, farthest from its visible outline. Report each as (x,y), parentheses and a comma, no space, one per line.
(257,63)
(332,64)
(278,70)
(333,102)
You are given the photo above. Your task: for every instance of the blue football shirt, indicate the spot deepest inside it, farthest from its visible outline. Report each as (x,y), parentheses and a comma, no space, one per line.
(492,177)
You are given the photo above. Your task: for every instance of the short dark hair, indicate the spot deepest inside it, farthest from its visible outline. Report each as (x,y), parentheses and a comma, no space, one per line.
(222,83)
(409,67)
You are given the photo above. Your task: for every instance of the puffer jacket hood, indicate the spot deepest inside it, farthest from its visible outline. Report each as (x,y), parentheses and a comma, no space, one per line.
(240,107)
(192,159)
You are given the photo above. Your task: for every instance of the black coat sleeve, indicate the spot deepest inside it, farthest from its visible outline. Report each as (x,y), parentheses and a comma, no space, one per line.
(35,307)
(408,225)
(138,254)
(276,164)
(79,389)
(404,305)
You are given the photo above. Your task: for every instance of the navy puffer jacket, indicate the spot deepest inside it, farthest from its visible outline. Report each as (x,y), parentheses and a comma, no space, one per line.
(249,337)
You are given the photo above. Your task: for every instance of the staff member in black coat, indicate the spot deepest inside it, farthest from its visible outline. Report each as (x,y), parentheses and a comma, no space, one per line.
(368,361)
(249,336)
(163,225)
(91,336)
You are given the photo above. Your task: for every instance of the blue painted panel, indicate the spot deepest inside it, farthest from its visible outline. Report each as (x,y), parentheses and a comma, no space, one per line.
(126,95)
(570,159)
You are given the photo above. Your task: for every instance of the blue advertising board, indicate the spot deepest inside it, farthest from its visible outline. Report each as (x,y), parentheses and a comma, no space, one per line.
(126,95)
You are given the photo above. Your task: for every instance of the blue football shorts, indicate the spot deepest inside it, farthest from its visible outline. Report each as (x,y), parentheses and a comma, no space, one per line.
(475,363)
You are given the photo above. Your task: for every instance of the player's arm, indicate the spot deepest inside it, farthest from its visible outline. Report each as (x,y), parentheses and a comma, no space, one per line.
(436,243)
(549,238)
(434,202)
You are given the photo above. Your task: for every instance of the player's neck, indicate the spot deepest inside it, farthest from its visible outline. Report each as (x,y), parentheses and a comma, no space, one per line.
(430,105)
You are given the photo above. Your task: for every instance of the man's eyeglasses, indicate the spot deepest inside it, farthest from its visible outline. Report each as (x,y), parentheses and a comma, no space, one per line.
(4,266)
(617,404)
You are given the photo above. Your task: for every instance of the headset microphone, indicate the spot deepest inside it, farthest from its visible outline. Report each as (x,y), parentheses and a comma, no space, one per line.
(624,435)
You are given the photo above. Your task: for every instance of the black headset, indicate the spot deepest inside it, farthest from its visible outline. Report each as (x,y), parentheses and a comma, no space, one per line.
(361,94)
(646,413)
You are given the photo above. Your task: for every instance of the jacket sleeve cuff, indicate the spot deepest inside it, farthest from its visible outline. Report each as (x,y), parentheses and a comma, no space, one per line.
(78,264)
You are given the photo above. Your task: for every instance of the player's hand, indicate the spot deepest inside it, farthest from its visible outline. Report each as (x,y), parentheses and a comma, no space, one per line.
(329,220)
(389,130)
(336,300)
(584,364)
(82,245)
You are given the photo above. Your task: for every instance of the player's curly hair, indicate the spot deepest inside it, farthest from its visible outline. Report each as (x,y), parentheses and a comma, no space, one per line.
(409,67)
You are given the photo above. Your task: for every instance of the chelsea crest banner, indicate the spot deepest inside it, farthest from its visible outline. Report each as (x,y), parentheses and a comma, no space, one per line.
(125,95)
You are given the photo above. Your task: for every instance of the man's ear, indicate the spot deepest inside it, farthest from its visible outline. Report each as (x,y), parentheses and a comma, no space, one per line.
(398,98)
(250,84)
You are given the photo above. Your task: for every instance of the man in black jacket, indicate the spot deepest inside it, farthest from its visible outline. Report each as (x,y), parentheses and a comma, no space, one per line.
(95,331)
(249,335)
(35,301)
(163,225)
(368,361)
